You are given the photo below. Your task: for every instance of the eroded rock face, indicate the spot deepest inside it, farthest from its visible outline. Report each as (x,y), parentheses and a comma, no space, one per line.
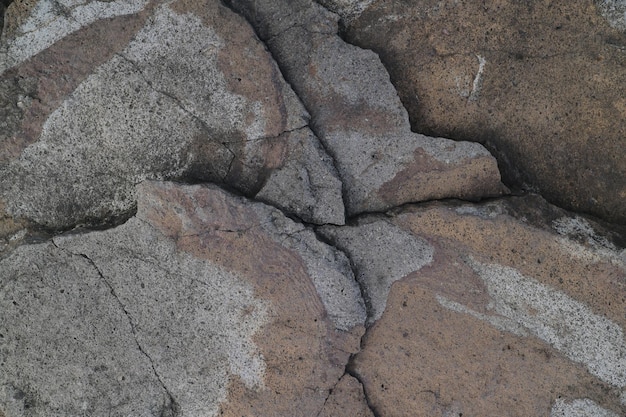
(494,314)
(541,84)
(193,306)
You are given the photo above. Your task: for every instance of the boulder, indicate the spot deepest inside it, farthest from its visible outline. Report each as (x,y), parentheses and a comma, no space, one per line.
(540,84)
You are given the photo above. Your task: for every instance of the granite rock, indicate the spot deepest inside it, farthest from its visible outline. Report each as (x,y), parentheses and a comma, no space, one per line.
(540,84)
(174,239)
(173,97)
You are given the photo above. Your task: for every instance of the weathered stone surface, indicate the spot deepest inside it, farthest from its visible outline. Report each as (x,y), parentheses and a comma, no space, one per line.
(492,315)
(346,399)
(382,253)
(66,346)
(181,100)
(35,25)
(202,304)
(357,114)
(305,185)
(541,84)
(190,300)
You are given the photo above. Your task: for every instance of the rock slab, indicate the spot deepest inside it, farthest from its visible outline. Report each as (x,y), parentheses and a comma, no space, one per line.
(511,307)
(202,304)
(175,96)
(541,84)
(358,116)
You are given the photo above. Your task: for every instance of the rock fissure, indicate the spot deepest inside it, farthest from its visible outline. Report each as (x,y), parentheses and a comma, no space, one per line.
(350,371)
(296,90)
(287,244)
(362,288)
(168,410)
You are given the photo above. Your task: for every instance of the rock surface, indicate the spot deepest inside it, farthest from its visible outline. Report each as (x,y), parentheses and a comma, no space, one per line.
(204,303)
(541,84)
(213,209)
(175,102)
(492,315)
(359,118)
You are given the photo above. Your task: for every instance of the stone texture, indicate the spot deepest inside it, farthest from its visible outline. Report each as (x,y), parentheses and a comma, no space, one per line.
(359,118)
(66,346)
(506,318)
(177,101)
(35,25)
(541,84)
(305,185)
(381,253)
(202,304)
(346,399)
(174,240)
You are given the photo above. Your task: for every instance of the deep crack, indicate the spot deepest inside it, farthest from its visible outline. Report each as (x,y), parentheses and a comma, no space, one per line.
(354,374)
(286,78)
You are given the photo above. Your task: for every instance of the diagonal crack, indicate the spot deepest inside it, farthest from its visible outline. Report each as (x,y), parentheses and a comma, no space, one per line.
(171,409)
(281,67)
(350,370)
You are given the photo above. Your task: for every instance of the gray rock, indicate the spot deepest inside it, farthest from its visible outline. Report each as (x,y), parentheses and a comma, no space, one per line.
(358,116)
(382,253)
(67,345)
(34,26)
(306,185)
(177,312)
(188,315)
(181,101)
(614,11)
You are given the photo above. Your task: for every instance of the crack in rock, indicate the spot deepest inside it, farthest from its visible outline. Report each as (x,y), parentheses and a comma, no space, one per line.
(169,410)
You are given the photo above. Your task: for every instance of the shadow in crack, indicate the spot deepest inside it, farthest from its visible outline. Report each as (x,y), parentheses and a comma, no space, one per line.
(3,7)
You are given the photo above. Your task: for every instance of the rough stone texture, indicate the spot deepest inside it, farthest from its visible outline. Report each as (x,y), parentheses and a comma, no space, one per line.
(507,319)
(66,345)
(541,84)
(177,101)
(35,25)
(346,399)
(614,11)
(382,254)
(204,303)
(305,185)
(174,240)
(357,114)
(579,408)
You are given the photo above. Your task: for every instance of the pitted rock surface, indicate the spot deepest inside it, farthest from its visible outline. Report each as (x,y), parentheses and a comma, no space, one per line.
(219,209)
(176,102)
(507,318)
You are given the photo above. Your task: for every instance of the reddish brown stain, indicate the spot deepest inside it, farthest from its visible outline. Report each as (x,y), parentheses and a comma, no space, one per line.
(303,353)
(535,253)
(427,178)
(421,359)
